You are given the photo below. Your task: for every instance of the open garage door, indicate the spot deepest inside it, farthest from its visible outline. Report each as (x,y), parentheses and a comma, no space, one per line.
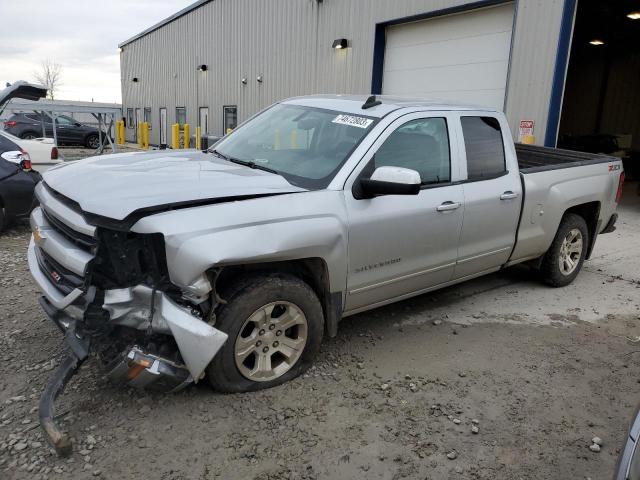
(601,107)
(462,57)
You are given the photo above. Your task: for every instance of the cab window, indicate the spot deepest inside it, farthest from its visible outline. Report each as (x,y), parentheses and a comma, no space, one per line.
(484,147)
(421,145)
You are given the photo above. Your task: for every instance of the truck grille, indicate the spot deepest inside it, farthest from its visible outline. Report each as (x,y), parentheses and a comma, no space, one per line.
(83,241)
(63,279)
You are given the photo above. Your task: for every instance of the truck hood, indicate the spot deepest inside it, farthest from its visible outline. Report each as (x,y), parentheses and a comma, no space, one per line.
(116,186)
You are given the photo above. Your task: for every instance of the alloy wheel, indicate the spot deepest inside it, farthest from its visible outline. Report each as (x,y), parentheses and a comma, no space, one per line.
(271,341)
(570,252)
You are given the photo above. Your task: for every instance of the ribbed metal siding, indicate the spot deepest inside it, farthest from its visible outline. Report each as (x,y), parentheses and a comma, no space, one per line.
(288,42)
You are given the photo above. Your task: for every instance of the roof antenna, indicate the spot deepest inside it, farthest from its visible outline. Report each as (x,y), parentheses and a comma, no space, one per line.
(371,102)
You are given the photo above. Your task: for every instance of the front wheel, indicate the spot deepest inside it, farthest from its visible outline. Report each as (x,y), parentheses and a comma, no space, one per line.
(563,261)
(275,325)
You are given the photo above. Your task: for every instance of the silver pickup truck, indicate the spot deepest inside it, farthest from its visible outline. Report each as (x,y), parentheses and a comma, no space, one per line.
(235,261)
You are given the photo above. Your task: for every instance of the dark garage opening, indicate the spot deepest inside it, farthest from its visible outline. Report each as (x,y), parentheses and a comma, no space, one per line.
(601,107)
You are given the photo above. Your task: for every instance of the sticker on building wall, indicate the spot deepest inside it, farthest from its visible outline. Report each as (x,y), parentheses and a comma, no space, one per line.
(353,121)
(526,129)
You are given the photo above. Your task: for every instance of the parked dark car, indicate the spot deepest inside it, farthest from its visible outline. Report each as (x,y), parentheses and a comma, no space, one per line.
(17,184)
(68,130)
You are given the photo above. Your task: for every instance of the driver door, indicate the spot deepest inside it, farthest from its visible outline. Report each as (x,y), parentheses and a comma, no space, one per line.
(401,245)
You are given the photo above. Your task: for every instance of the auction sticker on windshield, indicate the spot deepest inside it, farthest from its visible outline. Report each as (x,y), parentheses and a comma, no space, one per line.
(360,122)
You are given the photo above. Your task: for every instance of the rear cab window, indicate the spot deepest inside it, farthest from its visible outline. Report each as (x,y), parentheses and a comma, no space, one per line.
(484,147)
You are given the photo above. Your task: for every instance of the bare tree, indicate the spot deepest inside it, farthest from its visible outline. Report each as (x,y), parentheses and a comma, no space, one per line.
(49,76)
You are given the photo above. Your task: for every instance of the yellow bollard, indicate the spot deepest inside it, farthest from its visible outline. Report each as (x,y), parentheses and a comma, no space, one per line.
(145,135)
(120,132)
(140,134)
(528,139)
(186,135)
(198,139)
(294,138)
(175,136)
(276,140)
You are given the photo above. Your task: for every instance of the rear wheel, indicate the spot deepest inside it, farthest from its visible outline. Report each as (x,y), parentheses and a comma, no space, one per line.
(275,325)
(3,218)
(563,261)
(29,135)
(92,141)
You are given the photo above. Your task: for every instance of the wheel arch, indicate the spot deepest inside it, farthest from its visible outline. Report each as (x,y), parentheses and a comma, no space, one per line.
(590,212)
(314,271)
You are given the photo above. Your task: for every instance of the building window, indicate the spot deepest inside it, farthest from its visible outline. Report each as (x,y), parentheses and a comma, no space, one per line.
(181,116)
(484,147)
(230,118)
(203,119)
(163,126)
(147,116)
(129,117)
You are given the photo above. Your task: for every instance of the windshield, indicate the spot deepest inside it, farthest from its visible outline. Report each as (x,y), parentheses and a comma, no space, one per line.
(305,145)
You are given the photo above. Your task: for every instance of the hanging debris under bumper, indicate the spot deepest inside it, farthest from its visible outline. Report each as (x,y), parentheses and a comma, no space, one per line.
(56,437)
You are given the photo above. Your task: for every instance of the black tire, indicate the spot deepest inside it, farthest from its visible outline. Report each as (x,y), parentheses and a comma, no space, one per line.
(3,218)
(92,141)
(550,270)
(246,296)
(28,135)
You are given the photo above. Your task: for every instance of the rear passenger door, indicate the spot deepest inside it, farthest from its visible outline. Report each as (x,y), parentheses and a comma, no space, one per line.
(492,196)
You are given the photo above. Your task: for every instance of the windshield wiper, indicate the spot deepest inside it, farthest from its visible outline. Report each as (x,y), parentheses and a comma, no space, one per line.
(249,164)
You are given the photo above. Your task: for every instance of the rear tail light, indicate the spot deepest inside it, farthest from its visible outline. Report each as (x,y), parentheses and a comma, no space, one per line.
(25,162)
(54,153)
(10,123)
(620,184)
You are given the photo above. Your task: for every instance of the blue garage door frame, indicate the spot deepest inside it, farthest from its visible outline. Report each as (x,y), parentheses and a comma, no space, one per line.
(560,73)
(560,69)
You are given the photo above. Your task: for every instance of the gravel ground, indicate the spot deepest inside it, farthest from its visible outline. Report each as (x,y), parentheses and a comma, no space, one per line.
(498,378)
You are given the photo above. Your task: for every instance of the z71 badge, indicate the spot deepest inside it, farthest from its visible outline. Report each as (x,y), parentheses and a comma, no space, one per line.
(613,168)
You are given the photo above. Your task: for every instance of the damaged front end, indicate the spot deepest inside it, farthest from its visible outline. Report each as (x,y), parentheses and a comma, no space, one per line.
(109,293)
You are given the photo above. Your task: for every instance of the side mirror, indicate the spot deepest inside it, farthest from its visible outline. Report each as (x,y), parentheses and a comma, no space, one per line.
(391,181)
(78,124)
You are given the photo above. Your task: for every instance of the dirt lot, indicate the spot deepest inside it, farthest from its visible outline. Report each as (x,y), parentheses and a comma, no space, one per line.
(540,371)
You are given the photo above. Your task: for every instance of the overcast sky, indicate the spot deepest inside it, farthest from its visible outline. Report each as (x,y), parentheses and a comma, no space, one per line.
(80,35)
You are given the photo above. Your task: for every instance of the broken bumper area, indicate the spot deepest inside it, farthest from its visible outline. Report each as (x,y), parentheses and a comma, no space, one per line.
(143,337)
(141,369)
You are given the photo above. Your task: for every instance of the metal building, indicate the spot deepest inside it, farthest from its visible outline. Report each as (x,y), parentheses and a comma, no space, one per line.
(217,62)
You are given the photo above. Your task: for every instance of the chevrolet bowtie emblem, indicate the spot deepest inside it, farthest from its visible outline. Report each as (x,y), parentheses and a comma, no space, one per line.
(36,236)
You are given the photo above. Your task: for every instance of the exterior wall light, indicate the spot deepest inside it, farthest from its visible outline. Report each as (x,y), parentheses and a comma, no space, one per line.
(339,43)
(596,42)
(244,80)
(259,78)
(135,80)
(634,15)
(202,68)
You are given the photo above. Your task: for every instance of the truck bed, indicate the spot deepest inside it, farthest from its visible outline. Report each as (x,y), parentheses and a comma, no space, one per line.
(532,158)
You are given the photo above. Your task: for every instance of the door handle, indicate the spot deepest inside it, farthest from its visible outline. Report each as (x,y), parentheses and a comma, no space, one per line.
(508,195)
(447,206)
